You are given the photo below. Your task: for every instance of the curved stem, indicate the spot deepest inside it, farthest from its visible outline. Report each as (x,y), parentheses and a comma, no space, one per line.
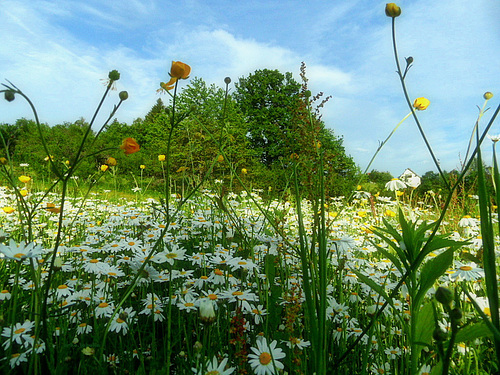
(408,101)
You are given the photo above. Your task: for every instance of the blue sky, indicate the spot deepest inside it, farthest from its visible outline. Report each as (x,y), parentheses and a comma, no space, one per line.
(57,52)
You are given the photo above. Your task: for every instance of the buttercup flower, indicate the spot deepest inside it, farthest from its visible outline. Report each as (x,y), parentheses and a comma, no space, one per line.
(104,168)
(161,157)
(111,161)
(421,103)
(24,179)
(179,70)
(392,10)
(130,146)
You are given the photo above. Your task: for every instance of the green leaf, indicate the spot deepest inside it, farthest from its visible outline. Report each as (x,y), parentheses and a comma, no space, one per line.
(431,271)
(372,284)
(473,331)
(424,325)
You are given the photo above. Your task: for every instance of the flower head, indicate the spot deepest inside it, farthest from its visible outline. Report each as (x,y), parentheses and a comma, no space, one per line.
(392,10)
(24,179)
(161,157)
(130,146)
(421,103)
(178,70)
(265,359)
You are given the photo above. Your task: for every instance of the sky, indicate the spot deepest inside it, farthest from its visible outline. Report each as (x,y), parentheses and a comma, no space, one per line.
(59,52)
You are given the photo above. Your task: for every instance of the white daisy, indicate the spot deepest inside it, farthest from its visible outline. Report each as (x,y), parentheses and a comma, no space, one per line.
(265,359)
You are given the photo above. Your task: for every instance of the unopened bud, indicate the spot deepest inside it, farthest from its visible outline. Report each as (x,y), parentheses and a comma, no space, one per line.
(227,80)
(487,95)
(9,96)
(392,10)
(207,312)
(114,75)
(307,94)
(123,95)
(444,296)
(409,60)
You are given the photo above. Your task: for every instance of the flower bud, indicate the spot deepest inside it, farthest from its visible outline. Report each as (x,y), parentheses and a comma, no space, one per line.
(444,296)
(227,80)
(9,95)
(207,312)
(123,95)
(307,93)
(111,161)
(421,103)
(439,334)
(392,10)
(487,95)
(409,60)
(114,75)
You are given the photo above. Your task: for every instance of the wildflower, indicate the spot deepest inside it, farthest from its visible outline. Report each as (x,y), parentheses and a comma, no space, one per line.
(265,359)
(18,333)
(20,251)
(207,313)
(51,207)
(161,157)
(488,95)
(111,161)
(179,70)
(130,146)
(83,328)
(17,358)
(8,210)
(468,272)
(421,103)
(494,138)
(142,166)
(24,179)
(220,158)
(5,295)
(118,324)
(214,368)
(88,351)
(3,161)
(395,184)
(104,167)
(392,10)
(104,310)
(295,342)
(392,352)
(244,171)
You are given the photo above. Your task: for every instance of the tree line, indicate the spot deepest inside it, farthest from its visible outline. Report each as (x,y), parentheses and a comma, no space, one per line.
(266,125)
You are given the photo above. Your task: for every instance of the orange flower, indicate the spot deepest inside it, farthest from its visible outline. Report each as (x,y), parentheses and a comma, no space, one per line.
(51,207)
(130,146)
(111,161)
(179,70)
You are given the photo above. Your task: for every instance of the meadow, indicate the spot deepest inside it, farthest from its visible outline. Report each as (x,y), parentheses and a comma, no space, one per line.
(206,278)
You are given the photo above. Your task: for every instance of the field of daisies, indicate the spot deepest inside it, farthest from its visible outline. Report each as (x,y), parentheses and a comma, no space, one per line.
(220,290)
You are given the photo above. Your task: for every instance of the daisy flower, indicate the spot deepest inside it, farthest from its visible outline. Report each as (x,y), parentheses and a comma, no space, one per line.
(20,251)
(265,359)
(18,333)
(214,368)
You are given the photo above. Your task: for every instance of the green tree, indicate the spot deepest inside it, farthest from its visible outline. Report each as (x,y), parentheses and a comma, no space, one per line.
(267,99)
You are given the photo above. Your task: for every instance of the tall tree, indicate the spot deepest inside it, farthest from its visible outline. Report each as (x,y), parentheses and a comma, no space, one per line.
(267,99)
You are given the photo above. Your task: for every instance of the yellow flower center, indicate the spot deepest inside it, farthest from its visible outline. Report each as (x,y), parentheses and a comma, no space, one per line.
(265,358)
(171,255)
(466,268)
(212,296)
(94,261)
(19,255)
(19,331)
(237,293)
(63,286)
(103,305)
